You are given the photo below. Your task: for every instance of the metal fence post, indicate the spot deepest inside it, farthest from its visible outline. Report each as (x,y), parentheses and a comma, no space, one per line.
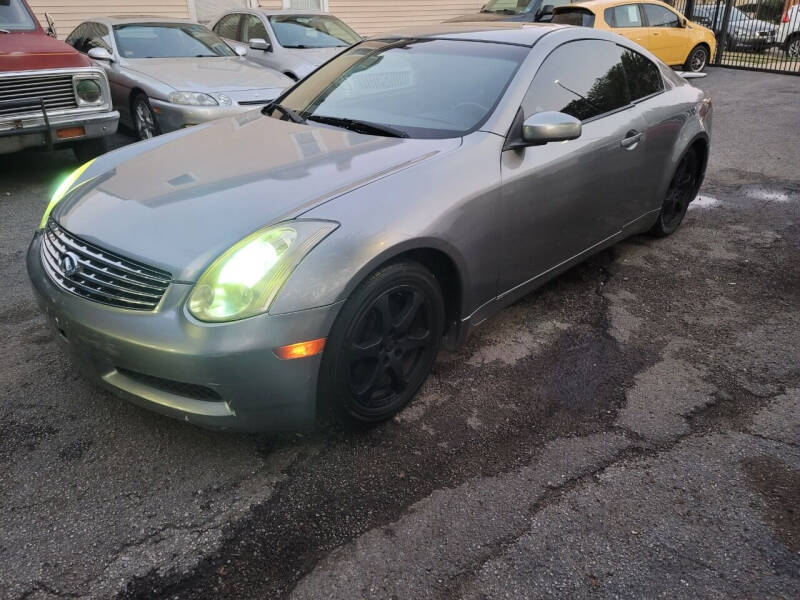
(723,32)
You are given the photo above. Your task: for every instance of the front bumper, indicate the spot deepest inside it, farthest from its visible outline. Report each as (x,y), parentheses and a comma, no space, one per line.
(752,42)
(172,117)
(222,376)
(35,133)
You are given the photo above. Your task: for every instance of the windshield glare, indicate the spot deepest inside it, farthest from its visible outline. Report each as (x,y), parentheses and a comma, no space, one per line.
(168,40)
(509,6)
(14,16)
(421,88)
(719,13)
(312,31)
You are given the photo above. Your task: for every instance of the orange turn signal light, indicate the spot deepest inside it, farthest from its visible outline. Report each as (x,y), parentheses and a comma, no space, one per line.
(70,132)
(300,350)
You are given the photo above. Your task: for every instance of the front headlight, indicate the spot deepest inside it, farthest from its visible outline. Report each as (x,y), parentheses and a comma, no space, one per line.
(89,91)
(61,191)
(191,99)
(245,280)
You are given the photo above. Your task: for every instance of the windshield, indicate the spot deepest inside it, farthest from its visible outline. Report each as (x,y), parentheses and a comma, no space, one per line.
(14,16)
(312,31)
(719,13)
(510,7)
(168,40)
(417,88)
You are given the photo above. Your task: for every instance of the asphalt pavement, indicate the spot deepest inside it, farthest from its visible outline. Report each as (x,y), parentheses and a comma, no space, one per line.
(631,430)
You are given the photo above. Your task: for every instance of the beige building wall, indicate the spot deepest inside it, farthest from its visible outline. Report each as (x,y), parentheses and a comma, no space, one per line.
(68,14)
(373,16)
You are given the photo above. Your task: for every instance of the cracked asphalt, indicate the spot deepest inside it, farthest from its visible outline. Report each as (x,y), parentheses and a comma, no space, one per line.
(631,430)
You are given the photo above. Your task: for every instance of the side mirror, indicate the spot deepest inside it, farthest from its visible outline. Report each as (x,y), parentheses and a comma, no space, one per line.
(100,54)
(260,44)
(550,126)
(691,74)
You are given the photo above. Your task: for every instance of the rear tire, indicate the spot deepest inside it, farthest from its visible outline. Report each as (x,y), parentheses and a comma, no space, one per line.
(697,60)
(383,344)
(793,46)
(682,190)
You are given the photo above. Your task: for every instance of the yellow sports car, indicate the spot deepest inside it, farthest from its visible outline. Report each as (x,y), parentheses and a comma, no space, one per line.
(652,24)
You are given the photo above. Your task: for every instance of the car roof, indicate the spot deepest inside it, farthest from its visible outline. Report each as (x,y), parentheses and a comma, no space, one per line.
(603,4)
(130,19)
(504,32)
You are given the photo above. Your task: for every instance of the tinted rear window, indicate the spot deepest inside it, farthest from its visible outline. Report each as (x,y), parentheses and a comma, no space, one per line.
(574,16)
(644,77)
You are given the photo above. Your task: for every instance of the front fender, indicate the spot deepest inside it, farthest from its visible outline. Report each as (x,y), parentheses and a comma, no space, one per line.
(332,270)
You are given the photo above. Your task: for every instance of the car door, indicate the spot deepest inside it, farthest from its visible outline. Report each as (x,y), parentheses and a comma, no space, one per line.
(92,34)
(253,27)
(228,29)
(627,20)
(565,198)
(666,38)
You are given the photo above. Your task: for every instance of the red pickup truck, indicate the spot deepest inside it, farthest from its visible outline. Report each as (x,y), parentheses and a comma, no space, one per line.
(50,95)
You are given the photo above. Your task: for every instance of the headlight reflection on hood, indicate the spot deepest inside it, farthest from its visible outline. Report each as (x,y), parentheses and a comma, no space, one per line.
(245,280)
(62,190)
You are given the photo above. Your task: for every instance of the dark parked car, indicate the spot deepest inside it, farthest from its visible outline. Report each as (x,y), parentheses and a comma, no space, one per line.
(513,10)
(743,33)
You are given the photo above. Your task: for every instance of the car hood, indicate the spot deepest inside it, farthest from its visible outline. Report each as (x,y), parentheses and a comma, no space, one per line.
(35,50)
(179,203)
(479,17)
(314,56)
(754,26)
(219,74)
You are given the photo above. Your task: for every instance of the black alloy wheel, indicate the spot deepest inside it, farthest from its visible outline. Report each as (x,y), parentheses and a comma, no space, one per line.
(682,190)
(383,344)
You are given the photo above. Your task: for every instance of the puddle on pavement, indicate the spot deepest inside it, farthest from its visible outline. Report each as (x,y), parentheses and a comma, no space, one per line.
(760,193)
(704,202)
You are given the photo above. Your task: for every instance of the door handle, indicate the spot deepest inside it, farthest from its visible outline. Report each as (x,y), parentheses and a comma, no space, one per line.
(631,139)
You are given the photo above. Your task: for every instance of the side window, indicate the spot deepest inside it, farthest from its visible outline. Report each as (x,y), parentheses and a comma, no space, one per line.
(228,27)
(96,36)
(254,28)
(658,16)
(627,15)
(75,39)
(584,79)
(574,16)
(644,77)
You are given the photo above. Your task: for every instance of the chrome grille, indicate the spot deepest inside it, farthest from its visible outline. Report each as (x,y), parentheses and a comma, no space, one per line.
(55,90)
(96,274)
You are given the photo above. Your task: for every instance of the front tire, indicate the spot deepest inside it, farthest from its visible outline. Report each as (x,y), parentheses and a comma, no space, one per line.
(383,344)
(144,121)
(682,190)
(697,60)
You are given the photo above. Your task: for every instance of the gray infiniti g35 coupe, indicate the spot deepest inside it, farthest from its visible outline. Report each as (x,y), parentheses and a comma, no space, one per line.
(253,272)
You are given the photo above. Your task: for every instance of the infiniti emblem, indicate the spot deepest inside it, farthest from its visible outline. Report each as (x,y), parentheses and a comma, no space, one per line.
(69,264)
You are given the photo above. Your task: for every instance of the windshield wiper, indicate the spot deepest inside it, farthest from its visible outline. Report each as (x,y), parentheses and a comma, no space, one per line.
(359,126)
(290,114)
(4,31)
